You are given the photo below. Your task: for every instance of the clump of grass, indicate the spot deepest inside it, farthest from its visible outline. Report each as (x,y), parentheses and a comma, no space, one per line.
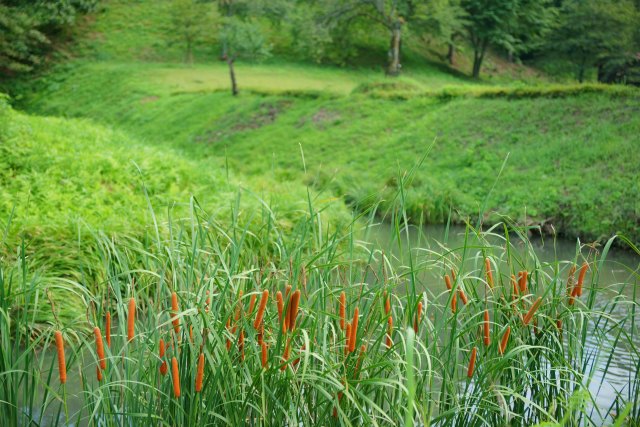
(287,362)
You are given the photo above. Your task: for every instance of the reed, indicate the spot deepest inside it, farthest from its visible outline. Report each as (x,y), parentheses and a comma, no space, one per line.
(131,320)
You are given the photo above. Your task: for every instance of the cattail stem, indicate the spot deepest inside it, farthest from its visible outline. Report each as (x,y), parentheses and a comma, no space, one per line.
(485,327)
(343,310)
(131,320)
(100,348)
(175,377)
(200,373)
(62,366)
(532,311)
(261,308)
(472,362)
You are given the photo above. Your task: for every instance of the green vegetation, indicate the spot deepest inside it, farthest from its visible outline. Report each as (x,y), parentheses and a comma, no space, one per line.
(571,141)
(307,375)
(134,179)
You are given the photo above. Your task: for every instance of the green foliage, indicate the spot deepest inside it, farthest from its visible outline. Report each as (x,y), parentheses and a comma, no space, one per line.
(596,33)
(243,39)
(192,23)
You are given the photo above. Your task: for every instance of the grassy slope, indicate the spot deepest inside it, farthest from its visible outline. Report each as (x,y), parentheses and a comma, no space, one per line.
(567,156)
(568,163)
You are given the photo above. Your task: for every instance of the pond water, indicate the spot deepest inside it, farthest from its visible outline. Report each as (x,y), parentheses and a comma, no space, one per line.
(619,272)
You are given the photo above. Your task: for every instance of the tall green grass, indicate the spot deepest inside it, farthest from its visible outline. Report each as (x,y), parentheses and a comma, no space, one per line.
(543,376)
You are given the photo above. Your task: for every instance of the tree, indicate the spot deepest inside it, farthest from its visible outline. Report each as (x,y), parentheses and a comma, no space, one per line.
(443,20)
(240,34)
(596,33)
(189,22)
(26,28)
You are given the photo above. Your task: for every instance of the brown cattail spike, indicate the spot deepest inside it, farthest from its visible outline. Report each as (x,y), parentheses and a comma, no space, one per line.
(174,312)
(200,373)
(175,377)
(280,303)
(348,337)
(472,362)
(100,348)
(387,304)
(485,328)
(532,311)
(294,302)
(522,283)
(505,340)
(343,310)
(264,351)
(416,320)
(107,329)
(354,330)
(263,304)
(163,366)
(252,303)
(131,320)
(583,272)
(389,331)
(487,265)
(62,365)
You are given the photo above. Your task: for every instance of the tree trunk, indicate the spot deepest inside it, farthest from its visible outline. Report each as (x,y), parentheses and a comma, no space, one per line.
(232,74)
(450,54)
(394,50)
(478,56)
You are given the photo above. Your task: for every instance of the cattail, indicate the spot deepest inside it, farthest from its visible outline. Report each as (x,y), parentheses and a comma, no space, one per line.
(532,311)
(514,286)
(263,347)
(487,265)
(387,304)
(389,332)
(453,275)
(62,366)
(280,303)
(343,309)
(454,303)
(175,377)
(559,325)
(522,283)
(207,303)
(348,337)
(354,330)
(505,340)
(200,373)
(163,366)
(485,326)
(228,329)
(583,272)
(131,321)
(416,320)
(261,334)
(108,329)
(572,271)
(174,312)
(98,373)
(191,333)
(447,281)
(294,302)
(287,291)
(472,362)
(363,349)
(100,348)
(261,308)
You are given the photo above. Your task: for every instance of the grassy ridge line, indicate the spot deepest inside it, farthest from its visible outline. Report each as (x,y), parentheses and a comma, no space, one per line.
(575,149)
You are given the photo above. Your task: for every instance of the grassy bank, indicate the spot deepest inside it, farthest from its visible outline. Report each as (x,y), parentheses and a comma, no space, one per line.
(568,151)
